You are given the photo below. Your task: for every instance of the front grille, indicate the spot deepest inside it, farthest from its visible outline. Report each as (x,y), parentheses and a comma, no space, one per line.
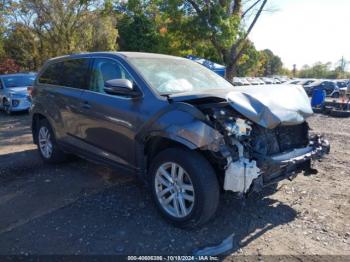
(280,139)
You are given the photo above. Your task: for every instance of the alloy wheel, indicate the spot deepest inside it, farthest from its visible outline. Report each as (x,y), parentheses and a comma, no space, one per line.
(174,190)
(45,143)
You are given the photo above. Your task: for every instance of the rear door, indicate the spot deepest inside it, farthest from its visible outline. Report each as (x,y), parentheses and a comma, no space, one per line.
(62,85)
(110,121)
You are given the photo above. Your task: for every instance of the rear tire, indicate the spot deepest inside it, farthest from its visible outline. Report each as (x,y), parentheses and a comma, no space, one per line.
(196,191)
(47,145)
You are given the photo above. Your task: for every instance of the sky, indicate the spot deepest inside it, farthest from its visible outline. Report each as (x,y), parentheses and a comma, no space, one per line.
(305,31)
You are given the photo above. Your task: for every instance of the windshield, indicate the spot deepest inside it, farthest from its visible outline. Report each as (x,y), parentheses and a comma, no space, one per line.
(18,81)
(176,75)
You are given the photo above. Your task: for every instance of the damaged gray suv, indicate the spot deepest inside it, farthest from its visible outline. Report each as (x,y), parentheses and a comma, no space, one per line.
(174,123)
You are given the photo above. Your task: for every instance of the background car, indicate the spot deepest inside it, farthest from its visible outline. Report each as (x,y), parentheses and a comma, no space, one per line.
(306,82)
(341,83)
(253,81)
(260,81)
(276,81)
(330,87)
(237,81)
(245,81)
(14,94)
(294,82)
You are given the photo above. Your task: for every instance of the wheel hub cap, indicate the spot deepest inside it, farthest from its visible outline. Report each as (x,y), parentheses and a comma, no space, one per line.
(174,190)
(45,143)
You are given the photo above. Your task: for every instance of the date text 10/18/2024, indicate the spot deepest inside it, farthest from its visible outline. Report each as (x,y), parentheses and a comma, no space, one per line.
(172,258)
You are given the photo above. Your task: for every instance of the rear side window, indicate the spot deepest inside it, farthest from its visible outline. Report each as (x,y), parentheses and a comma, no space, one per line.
(70,73)
(51,75)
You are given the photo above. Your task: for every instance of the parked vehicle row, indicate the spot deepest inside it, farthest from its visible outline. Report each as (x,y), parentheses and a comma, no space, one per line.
(330,87)
(333,88)
(245,81)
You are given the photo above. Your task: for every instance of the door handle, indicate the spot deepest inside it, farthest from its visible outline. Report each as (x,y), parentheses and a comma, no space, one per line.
(86,105)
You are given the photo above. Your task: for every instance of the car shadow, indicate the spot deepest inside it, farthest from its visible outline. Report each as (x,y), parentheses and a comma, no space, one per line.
(21,163)
(118,216)
(122,219)
(15,132)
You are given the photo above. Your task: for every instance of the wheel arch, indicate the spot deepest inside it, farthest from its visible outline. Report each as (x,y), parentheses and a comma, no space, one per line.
(157,143)
(36,118)
(3,100)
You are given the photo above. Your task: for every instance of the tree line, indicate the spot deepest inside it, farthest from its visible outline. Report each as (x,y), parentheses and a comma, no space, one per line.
(32,31)
(325,70)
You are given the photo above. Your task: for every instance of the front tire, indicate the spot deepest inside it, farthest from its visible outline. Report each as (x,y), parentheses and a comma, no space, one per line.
(47,146)
(184,186)
(7,107)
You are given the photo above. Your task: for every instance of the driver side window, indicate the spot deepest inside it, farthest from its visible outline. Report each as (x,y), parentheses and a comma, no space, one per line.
(105,69)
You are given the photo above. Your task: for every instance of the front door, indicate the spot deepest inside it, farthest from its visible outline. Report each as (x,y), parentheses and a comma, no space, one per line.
(111,121)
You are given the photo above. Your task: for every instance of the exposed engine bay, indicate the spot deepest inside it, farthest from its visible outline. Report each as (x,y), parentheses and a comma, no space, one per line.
(252,156)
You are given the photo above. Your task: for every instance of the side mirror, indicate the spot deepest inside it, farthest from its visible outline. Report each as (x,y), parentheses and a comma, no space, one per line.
(120,87)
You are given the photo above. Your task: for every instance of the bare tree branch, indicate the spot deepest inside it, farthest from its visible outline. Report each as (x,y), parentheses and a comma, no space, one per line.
(195,6)
(249,8)
(242,42)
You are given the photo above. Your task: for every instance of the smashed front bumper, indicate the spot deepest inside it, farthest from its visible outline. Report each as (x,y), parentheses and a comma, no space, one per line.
(288,164)
(246,176)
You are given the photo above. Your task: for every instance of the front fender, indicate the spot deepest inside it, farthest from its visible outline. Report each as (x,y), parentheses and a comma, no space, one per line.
(184,124)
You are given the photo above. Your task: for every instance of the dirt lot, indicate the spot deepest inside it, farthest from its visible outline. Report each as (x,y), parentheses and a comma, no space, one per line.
(83,208)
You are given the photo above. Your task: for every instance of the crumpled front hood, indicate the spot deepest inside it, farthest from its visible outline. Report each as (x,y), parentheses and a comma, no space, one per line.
(271,105)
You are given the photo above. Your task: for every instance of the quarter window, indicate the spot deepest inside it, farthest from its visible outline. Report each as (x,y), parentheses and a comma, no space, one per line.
(52,74)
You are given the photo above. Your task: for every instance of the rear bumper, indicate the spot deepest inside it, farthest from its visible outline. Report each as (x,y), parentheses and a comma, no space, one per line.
(288,164)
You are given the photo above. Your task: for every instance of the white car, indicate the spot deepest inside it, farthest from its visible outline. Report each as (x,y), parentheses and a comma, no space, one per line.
(14,94)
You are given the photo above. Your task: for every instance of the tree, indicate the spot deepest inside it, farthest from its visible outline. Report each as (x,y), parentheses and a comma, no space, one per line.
(249,63)
(271,64)
(221,22)
(340,69)
(2,29)
(8,66)
(21,45)
(137,33)
(211,29)
(41,29)
(323,70)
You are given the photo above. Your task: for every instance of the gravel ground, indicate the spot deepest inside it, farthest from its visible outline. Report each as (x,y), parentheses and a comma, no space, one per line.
(83,208)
